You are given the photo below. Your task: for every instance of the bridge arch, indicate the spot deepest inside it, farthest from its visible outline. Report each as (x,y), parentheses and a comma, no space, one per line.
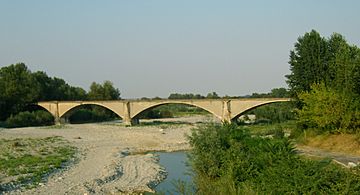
(153,105)
(69,110)
(238,114)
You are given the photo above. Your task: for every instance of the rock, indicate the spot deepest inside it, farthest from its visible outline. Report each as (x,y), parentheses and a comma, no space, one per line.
(351,164)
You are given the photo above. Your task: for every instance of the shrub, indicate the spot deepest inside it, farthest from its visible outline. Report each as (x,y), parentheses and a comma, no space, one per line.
(329,110)
(25,119)
(229,160)
(90,115)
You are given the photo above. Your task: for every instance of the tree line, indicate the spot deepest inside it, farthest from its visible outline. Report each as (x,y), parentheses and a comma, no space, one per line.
(20,88)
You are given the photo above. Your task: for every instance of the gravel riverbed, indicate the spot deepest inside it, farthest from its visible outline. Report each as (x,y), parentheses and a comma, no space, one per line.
(112,157)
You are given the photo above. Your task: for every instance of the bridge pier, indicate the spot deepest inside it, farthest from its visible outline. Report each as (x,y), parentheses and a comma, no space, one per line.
(57,120)
(226,114)
(127,120)
(131,122)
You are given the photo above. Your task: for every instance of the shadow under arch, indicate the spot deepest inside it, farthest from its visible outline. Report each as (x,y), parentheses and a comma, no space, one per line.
(140,113)
(89,112)
(36,107)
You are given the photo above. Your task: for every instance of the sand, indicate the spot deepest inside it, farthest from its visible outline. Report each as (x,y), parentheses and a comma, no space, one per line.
(111,157)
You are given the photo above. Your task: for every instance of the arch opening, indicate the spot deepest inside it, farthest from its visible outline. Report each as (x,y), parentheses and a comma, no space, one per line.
(30,116)
(174,113)
(89,113)
(267,113)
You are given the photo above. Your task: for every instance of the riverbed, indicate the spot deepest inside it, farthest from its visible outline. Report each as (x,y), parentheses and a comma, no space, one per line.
(111,156)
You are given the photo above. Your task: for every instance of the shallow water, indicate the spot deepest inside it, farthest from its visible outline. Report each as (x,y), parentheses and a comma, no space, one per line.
(174,163)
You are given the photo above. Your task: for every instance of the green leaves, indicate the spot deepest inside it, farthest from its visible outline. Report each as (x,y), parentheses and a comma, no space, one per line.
(316,59)
(329,110)
(307,62)
(229,160)
(325,76)
(106,91)
(17,88)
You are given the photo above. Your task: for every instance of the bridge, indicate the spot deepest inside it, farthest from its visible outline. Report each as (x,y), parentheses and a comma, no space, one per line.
(224,109)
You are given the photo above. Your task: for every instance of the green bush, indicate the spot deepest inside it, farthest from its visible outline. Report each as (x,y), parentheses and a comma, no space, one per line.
(329,110)
(229,160)
(91,115)
(26,119)
(274,113)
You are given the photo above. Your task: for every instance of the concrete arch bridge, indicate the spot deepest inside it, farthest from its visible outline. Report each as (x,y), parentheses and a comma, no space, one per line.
(224,109)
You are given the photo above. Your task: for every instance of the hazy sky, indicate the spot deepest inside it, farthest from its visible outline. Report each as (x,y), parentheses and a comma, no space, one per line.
(153,48)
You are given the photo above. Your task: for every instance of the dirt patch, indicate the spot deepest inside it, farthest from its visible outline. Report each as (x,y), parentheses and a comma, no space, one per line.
(343,143)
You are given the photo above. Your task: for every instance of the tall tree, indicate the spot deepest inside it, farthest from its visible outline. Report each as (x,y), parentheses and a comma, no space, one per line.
(18,88)
(308,62)
(106,91)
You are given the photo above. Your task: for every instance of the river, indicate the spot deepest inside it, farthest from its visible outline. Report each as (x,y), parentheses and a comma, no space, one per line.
(175,164)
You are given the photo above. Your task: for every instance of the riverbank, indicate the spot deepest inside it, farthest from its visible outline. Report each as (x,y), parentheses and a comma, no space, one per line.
(109,160)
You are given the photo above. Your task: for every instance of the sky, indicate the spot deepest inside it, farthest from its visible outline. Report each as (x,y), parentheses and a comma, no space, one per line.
(150,48)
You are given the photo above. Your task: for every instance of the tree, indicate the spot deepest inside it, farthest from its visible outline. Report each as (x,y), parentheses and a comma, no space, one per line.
(106,91)
(328,110)
(308,62)
(18,88)
(212,95)
(325,76)
(185,96)
(279,93)
(46,90)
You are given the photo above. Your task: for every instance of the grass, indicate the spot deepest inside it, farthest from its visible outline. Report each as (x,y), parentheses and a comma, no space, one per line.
(344,143)
(269,129)
(25,162)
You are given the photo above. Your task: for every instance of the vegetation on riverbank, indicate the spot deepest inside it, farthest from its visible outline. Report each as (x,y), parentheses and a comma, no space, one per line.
(229,160)
(25,162)
(325,80)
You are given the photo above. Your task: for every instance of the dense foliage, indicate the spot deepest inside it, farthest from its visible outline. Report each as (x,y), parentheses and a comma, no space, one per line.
(20,88)
(327,110)
(229,160)
(91,113)
(28,119)
(332,61)
(274,113)
(106,91)
(275,93)
(325,77)
(171,110)
(212,95)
